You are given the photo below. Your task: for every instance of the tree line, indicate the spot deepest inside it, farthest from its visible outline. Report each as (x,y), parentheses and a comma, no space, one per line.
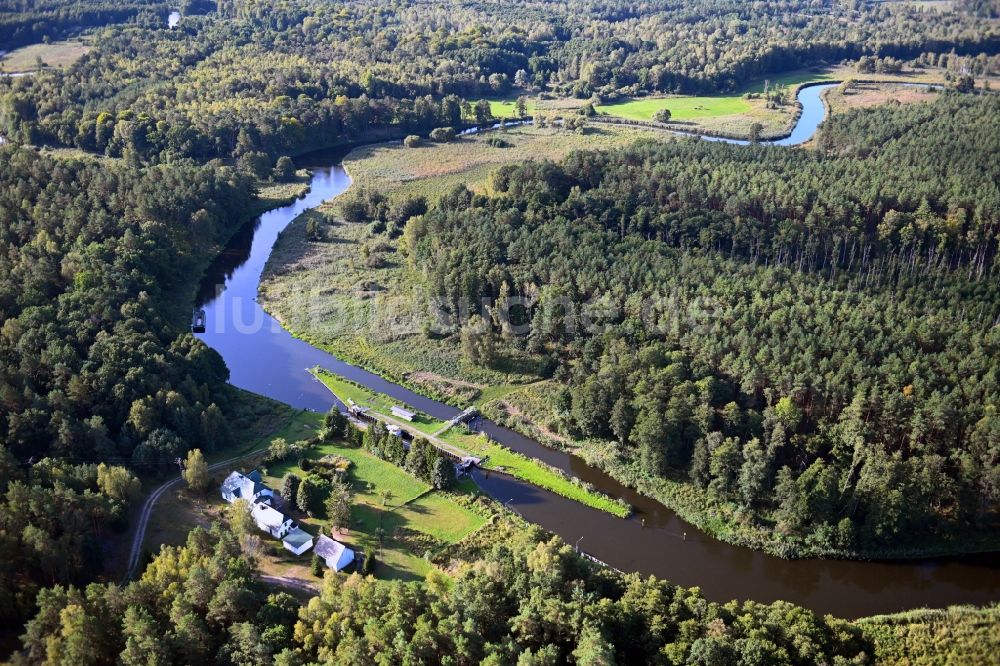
(285,76)
(95,365)
(797,333)
(524,600)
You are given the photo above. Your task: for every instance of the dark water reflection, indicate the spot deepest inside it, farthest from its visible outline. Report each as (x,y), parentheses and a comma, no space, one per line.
(264,358)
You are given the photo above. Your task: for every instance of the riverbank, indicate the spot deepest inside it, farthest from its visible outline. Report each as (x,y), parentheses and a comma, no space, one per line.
(527,410)
(370,313)
(458,439)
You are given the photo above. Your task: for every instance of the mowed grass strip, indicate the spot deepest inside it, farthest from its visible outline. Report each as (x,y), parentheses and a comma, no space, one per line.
(528,469)
(497,456)
(377,402)
(681,108)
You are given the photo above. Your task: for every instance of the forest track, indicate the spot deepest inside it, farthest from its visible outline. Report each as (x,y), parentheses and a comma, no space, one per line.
(147,510)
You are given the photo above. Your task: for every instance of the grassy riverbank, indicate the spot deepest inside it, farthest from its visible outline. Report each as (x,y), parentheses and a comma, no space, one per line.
(957,635)
(495,457)
(354,295)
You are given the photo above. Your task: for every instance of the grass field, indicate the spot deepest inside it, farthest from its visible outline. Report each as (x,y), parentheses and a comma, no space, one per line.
(414,518)
(57,55)
(863,95)
(681,108)
(726,114)
(434,168)
(505,108)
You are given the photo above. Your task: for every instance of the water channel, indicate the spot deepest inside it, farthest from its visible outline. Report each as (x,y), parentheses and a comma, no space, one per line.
(264,358)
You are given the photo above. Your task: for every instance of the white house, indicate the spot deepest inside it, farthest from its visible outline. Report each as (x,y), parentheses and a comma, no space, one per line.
(271,520)
(298,541)
(248,487)
(335,554)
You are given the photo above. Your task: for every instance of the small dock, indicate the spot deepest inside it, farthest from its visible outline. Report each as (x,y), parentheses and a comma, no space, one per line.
(198,321)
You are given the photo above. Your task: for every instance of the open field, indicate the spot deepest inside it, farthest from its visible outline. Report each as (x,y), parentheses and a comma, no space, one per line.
(863,95)
(56,55)
(413,517)
(434,168)
(725,114)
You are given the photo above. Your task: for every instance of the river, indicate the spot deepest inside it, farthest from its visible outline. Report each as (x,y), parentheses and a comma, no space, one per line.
(264,358)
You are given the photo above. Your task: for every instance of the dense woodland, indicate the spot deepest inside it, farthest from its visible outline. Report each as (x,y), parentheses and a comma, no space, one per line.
(871,259)
(30,21)
(811,335)
(94,292)
(527,601)
(280,77)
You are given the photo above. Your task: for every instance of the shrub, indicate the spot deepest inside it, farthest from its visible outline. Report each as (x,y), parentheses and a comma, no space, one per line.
(412,141)
(443,134)
(317,566)
(284,169)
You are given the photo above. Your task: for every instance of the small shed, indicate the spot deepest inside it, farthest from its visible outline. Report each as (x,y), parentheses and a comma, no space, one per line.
(298,541)
(336,555)
(402,413)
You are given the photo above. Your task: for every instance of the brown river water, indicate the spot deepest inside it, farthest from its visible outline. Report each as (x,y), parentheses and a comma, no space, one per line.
(264,358)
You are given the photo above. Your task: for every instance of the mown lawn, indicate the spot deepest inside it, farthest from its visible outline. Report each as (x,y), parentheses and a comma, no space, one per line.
(366,470)
(681,108)
(505,108)
(528,469)
(411,507)
(377,402)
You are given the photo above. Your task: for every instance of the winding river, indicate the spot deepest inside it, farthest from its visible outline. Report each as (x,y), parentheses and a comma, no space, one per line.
(265,358)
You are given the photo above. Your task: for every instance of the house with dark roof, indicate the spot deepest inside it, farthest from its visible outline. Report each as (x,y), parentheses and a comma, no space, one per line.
(245,486)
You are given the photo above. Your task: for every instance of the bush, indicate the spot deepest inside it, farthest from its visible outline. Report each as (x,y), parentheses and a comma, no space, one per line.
(662,116)
(284,169)
(412,141)
(443,134)
(363,205)
(368,564)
